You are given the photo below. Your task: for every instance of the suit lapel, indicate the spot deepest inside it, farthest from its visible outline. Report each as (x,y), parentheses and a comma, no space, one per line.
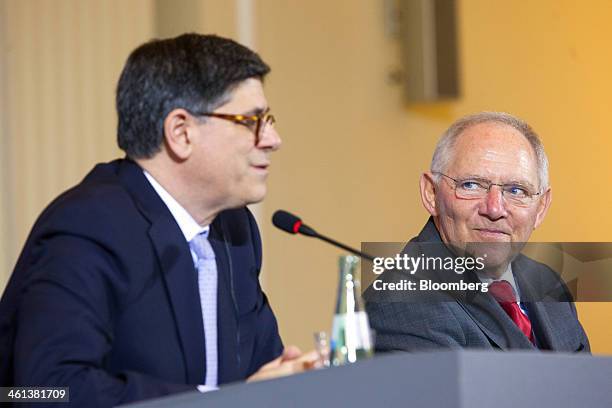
(554,324)
(181,281)
(227,332)
(484,310)
(488,315)
(178,271)
(542,326)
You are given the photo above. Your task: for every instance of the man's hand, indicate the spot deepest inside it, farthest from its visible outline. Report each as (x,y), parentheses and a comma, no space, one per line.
(292,361)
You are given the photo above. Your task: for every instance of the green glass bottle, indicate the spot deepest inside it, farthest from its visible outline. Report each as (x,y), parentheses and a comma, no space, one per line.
(351,336)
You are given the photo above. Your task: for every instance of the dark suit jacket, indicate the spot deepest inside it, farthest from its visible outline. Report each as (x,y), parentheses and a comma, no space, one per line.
(461,320)
(104,297)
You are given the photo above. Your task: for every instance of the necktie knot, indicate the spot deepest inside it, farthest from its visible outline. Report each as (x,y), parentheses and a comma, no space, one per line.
(502,291)
(202,248)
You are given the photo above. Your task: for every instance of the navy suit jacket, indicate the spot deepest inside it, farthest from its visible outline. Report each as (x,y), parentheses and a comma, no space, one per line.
(104,297)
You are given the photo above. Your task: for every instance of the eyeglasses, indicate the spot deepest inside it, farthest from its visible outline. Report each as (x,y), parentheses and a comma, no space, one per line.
(256,123)
(475,188)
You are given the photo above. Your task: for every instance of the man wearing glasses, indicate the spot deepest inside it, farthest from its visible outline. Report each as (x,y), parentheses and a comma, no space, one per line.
(486,192)
(143,279)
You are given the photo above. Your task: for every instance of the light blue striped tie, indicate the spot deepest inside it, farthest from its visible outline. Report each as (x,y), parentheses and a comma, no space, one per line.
(207,285)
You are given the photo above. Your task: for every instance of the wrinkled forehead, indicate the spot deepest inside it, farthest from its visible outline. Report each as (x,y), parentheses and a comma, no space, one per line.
(495,151)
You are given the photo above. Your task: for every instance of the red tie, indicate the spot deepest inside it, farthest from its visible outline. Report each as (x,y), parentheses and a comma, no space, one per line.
(504,294)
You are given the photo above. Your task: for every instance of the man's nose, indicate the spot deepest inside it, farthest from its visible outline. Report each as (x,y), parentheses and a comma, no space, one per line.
(269,139)
(493,205)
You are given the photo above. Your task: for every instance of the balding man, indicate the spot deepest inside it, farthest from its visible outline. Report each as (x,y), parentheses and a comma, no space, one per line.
(487,190)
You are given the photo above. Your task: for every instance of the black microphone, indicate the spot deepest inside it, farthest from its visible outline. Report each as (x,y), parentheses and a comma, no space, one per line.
(293,225)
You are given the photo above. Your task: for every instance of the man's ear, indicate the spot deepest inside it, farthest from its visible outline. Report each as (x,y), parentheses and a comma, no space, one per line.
(543,205)
(428,193)
(178,128)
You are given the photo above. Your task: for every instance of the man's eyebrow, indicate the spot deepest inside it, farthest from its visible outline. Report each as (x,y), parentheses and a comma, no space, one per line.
(473,177)
(256,111)
(524,183)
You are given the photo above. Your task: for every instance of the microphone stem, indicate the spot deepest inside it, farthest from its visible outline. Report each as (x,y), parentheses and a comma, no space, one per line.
(346,248)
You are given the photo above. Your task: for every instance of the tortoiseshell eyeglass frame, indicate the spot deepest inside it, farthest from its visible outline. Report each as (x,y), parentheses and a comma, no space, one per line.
(255,123)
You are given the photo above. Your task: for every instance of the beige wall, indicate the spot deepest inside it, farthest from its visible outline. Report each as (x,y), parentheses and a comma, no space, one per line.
(61,61)
(352,149)
(4,255)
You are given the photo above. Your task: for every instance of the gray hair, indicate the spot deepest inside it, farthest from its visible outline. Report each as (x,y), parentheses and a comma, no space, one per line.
(444,149)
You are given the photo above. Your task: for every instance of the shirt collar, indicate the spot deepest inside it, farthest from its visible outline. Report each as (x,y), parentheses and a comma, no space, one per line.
(189,227)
